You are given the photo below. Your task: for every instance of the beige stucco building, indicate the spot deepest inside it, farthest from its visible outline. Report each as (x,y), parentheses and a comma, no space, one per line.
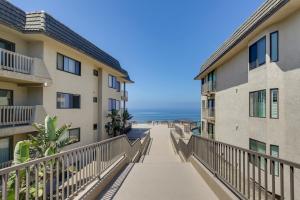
(46,68)
(250,85)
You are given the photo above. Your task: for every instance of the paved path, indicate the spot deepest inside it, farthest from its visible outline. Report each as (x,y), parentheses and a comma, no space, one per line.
(161,176)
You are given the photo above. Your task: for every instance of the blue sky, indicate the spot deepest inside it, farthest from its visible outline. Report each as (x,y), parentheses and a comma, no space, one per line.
(161,43)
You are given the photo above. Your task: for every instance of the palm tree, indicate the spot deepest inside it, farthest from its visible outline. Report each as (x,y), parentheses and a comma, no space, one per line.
(49,139)
(47,142)
(126,116)
(113,127)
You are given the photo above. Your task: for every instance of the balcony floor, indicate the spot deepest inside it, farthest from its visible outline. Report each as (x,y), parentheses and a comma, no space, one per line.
(162,175)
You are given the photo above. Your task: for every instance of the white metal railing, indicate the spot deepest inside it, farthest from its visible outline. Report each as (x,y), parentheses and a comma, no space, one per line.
(16,115)
(15,62)
(64,175)
(249,174)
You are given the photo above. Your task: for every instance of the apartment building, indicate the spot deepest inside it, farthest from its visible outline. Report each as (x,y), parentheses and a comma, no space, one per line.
(47,68)
(250,85)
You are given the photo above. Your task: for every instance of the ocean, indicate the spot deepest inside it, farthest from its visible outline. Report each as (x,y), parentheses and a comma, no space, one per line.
(141,115)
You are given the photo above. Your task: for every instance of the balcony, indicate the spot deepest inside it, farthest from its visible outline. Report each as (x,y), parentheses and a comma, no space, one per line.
(208,113)
(18,119)
(15,67)
(124,96)
(208,88)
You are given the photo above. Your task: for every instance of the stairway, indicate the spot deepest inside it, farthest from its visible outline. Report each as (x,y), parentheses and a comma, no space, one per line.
(161,175)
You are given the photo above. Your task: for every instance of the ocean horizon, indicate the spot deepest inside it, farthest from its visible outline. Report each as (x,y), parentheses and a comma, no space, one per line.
(144,115)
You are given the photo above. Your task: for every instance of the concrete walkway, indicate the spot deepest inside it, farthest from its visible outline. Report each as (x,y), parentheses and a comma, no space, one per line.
(161,175)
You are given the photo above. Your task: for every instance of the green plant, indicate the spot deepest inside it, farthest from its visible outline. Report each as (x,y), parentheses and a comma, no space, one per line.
(21,155)
(49,138)
(113,127)
(126,116)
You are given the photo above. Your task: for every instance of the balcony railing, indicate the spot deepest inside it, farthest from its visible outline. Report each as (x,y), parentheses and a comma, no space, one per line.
(16,115)
(249,174)
(208,87)
(64,175)
(15,62)
(6,164)
(124,96)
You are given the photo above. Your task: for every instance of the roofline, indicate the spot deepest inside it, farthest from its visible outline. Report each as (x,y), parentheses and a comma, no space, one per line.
(43,23)
(268,9)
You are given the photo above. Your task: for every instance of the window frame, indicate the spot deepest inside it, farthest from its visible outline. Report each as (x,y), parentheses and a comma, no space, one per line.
(12,95)
(12,44)
(256,150)
(79,138)
(277,33)
(57,107)
(275,162)
(272,89)
(63,67)
(265,103)
(257,64)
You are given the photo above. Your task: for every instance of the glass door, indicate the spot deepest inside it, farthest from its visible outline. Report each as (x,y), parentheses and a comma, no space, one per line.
(5,149)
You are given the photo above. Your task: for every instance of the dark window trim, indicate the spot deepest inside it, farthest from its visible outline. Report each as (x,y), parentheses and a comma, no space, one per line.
(271,103)
(68,94)
(13,45)
(265,53)
(265,106)
(95,126)
(95,72)
(12,91)
(78,128)
(95,99)
(275,32)
(275,157)
(63,70)
(11,147)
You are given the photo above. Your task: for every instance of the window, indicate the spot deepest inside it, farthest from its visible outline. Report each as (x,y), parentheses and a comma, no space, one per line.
(111,104)
(114,104)
(112,81)
(274,151)
(5,149)
(95,99)
(257,104)
(6,97)
(118,106)
(259,147)
(257,53)
(95,126)
(211,130)
(211,103)
(73,135)
(95,72)
(118,86)
(67,64)
(65,100)
(274,104)
(274,46)
(4,44)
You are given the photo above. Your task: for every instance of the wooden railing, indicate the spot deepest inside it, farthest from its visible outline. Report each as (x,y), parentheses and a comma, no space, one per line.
(16,115)
(64,175)
(249,174)
(15,62)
